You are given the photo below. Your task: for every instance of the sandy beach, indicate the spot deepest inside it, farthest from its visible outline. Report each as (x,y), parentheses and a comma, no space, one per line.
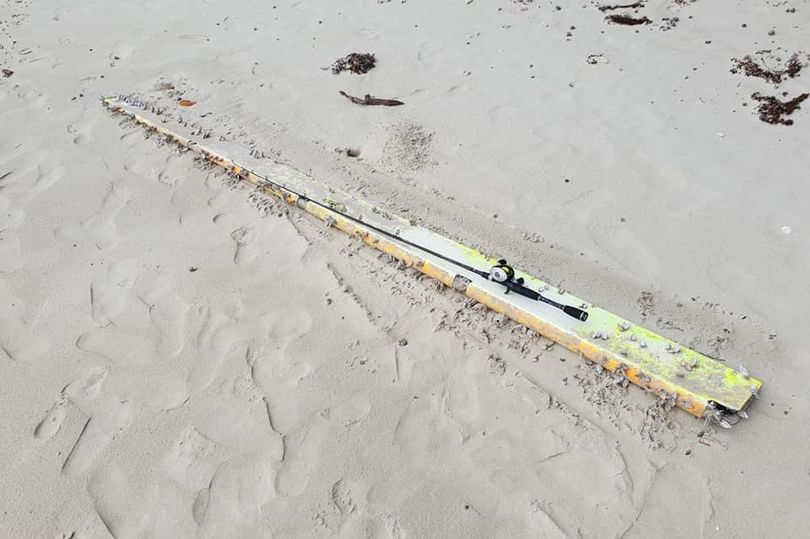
(180,358)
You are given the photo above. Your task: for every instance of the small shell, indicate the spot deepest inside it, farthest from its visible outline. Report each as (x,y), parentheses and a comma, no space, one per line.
(723,423)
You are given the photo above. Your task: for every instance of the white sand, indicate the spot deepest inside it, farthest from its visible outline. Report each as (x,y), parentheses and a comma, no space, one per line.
(295,384)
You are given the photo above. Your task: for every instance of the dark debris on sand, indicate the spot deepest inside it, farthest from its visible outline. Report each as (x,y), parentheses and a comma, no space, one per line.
(370,100)
(627,20)
(621,6)
(751,68)
(355,62)
(772,110)
(7,73)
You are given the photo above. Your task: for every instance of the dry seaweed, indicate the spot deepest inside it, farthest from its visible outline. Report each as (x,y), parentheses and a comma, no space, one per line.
(752,68)
(621,6)
(355,62)
(627,20)
(772,110)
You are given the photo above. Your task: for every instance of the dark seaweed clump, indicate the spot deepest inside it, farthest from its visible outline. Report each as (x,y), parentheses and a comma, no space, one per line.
(355,62)
(627,20)
(621,6)
(773,111)
(752,68)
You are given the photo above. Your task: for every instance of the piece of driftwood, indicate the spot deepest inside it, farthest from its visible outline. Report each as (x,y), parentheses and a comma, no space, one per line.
(370,100)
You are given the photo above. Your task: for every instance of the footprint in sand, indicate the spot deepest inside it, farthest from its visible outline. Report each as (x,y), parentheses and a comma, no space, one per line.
(341,497)
(101,227)
(357,518)
(127,299)
(168,312)
(216,341)
(123,509)
(374,524)
(351,412)
(220,199)
(81,135)
(80,391)
(239,490)
(235,497)
(245,238)
(660,517)
(118,347)
(110,418)
(43,181)
(282,327)
(52,422)
(110,292)
(276,373)
(162,392)
(86,388)
(225,220)
(193,459)
(175,171)
(277,378)
(301,457)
